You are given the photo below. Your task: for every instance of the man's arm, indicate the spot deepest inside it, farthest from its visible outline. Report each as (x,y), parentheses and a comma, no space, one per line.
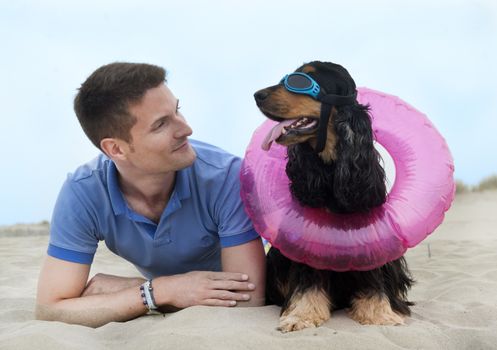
(60,286)
(248,258)
(62,295)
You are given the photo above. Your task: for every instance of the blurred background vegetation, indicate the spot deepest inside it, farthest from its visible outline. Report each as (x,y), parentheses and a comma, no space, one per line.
(488,183)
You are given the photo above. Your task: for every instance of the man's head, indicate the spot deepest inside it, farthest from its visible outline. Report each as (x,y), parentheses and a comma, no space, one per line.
(129,113)
(102,103)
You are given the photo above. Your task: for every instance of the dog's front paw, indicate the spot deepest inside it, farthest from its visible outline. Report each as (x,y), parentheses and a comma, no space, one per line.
(290,323)
(374,310)
(305,310)
(380,319)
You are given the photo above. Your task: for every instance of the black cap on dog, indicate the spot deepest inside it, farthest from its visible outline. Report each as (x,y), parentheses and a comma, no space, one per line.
(333,78)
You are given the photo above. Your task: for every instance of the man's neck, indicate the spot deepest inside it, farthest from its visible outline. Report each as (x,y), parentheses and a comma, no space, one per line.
(147,195)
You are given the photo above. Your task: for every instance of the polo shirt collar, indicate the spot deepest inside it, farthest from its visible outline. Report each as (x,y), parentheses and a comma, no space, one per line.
(182,186)
(115,194)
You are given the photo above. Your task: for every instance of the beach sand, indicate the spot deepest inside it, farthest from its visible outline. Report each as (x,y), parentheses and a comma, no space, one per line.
(455,295)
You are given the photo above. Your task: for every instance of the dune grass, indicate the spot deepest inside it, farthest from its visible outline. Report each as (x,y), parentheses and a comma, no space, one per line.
(461,187)
(488,183)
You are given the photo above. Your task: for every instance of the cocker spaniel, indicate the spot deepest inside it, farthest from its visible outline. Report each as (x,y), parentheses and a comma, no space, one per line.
(332,164)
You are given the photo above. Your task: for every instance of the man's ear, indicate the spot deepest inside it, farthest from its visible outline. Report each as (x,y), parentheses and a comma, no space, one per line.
(114,148)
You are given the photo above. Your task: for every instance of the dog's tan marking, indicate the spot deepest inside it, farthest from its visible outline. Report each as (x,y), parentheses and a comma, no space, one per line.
(286,104)
(374,310)
(329,152)
(283,287)
(309,69)
(306,310)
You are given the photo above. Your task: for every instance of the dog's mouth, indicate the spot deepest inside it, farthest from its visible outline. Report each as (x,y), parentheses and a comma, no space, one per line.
(289,128)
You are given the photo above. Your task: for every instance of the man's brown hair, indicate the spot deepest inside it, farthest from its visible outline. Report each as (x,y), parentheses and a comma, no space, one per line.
(102,102)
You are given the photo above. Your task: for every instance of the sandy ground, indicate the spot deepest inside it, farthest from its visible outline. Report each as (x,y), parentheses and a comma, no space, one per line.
(455,295)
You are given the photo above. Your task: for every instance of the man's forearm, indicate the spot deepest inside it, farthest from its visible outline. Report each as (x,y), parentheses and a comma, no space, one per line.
(250,259)
(95,310)
(111,298)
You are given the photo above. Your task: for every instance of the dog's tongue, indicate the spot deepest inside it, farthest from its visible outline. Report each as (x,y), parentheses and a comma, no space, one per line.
(275,133)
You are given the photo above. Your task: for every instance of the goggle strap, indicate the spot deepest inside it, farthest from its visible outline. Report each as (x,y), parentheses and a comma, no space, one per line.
(337,100)
(323,126)
(327,101)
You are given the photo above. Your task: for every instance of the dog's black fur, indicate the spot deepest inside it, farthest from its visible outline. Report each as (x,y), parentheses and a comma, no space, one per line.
(391,280)
(352,181)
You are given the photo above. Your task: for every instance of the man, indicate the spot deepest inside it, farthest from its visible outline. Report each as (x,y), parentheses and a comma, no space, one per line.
(168,205)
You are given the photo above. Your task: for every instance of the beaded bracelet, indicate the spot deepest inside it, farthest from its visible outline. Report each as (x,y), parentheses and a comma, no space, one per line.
(146,292)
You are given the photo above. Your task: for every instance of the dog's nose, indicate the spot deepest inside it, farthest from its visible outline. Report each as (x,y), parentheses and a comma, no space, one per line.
(261,95)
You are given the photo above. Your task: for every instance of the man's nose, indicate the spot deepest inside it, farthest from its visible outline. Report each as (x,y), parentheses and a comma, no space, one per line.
(184,130)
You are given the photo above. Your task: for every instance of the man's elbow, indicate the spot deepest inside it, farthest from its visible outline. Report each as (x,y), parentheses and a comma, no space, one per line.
(46,307)
(53,313)
(44,313)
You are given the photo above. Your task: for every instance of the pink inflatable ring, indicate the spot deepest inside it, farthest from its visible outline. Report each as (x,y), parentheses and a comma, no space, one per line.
(422,192)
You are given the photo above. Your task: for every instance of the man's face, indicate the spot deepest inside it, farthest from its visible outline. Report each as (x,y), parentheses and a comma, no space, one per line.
(159,137)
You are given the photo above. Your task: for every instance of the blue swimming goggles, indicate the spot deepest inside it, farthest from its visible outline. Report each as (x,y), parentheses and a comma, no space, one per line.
(301,83)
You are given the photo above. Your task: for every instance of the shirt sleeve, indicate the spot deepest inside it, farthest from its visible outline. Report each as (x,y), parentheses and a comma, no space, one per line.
(72,231)
(235,227)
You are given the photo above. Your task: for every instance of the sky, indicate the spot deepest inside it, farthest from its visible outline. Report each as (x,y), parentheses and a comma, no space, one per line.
(439,56)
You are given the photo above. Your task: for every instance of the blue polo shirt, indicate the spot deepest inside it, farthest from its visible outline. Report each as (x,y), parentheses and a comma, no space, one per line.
(204,214)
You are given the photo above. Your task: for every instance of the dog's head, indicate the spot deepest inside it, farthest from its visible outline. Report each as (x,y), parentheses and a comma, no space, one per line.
(299,114)
(345,175)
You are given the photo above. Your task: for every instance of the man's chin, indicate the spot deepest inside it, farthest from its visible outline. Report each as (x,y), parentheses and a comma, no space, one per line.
(188,156)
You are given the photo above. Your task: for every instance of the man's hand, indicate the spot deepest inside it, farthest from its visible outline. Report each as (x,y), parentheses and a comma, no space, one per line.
(202,288)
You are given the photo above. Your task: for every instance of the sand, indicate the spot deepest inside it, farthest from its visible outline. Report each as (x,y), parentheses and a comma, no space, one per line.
(455,295)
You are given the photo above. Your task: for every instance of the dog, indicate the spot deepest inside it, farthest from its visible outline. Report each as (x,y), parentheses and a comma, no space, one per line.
(341,172)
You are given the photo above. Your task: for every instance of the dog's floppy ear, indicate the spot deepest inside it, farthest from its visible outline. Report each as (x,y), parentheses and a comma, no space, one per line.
(359,179)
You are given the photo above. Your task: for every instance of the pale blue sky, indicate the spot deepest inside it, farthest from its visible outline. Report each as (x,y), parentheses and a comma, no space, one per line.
(439,56)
